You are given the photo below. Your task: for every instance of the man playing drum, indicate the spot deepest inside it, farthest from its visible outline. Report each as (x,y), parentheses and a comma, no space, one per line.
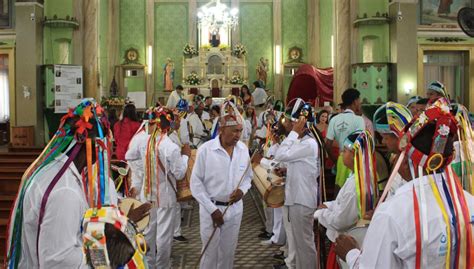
(221,176)
(164,163)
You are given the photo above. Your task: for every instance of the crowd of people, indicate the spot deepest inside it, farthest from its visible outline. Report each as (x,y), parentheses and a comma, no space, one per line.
(67,212)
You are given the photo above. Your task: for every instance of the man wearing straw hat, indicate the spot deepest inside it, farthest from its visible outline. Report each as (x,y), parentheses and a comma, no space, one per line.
(221,176)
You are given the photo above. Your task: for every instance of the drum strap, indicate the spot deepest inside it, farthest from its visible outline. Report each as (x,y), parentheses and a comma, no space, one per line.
(167,177)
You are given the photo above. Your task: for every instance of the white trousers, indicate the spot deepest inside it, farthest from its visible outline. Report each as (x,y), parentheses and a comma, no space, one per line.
(221,250)
(268,211)
(298,221)
(159,237)
(279,235)
(177,220)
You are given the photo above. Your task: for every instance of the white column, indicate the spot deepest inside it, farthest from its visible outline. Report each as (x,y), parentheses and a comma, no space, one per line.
(278,86)
(150,41)
(192,22)
(235,34)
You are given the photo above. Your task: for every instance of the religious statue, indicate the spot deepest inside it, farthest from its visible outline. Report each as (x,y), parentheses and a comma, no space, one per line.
(214,39)
(262,69)
(168,75)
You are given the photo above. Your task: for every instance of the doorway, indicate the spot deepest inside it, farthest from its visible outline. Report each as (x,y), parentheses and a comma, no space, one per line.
(450,68)
(7,94)
(451,64)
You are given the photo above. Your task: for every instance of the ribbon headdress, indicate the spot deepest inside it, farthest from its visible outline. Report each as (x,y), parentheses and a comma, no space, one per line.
(163,118)
(438,120)
(392,118)
(81,126)
(464,168)
(362,143)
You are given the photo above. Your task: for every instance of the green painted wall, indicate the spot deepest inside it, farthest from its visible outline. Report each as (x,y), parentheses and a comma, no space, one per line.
(171,35)
(294,26)
(53,36)
(256,33)
(381,32)
(132,28)
(325,31)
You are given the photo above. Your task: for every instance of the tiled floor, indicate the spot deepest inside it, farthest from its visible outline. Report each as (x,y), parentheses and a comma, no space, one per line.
(249,254)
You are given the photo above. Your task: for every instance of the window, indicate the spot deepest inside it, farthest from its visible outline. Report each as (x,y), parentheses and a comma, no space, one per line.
(4,89)
(6,14)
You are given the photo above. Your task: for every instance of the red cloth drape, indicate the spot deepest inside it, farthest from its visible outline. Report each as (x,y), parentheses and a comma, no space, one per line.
(312,85)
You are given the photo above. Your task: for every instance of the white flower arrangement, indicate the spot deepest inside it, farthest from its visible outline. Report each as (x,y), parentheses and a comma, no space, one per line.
(236,79)
(193,79)
(239,50)
(189,50)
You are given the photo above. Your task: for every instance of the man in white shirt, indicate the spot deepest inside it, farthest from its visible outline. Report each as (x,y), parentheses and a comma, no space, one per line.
(259,95)
(411,230)
(299,153)
(220,188)
(341,126)
(53,188)
(174,97)
(174,135)
(159,186)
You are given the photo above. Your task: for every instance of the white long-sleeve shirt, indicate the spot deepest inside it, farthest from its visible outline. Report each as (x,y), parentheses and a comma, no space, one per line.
(259,96)
(216,175)
(184,131)
(60,240)
(301,159)
(173,99)
(390,241)
(342,213)
(135,160)
(197,129)
(174,163)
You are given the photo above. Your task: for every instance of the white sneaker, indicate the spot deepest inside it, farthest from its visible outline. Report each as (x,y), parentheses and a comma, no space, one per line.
(268,242)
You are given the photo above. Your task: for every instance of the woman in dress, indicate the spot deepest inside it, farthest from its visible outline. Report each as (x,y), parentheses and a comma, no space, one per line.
(125,129)
(246,95)
(322,122)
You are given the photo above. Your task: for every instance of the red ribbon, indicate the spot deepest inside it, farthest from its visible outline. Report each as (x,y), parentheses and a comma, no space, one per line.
(417,229)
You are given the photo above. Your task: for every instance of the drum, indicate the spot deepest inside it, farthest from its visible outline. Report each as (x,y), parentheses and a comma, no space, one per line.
(359,234)
(207,124)
(126,204)
(273,190)
(183,187)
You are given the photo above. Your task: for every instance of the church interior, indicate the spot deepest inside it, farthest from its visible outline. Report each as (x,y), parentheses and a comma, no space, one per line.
(54,53)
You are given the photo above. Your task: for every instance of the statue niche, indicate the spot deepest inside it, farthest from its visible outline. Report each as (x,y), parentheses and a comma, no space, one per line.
(214,65)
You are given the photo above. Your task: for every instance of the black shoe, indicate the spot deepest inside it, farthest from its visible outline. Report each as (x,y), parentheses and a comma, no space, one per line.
(263,230)
(279,257)
(180,239)
(280,266)
(265,236)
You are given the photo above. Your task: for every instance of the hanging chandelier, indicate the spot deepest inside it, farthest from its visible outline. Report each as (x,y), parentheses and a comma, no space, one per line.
(215,15)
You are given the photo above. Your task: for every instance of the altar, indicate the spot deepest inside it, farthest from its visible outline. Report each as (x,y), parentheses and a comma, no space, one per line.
(219,71)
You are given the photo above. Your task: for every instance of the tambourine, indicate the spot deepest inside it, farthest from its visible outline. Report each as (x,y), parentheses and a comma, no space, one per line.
(126,204)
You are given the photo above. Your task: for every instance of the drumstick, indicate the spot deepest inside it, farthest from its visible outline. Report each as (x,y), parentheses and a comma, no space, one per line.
(225,210)
(392,176)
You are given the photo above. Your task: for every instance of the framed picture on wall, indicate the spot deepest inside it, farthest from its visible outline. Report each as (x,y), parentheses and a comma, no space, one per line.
(440,12)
